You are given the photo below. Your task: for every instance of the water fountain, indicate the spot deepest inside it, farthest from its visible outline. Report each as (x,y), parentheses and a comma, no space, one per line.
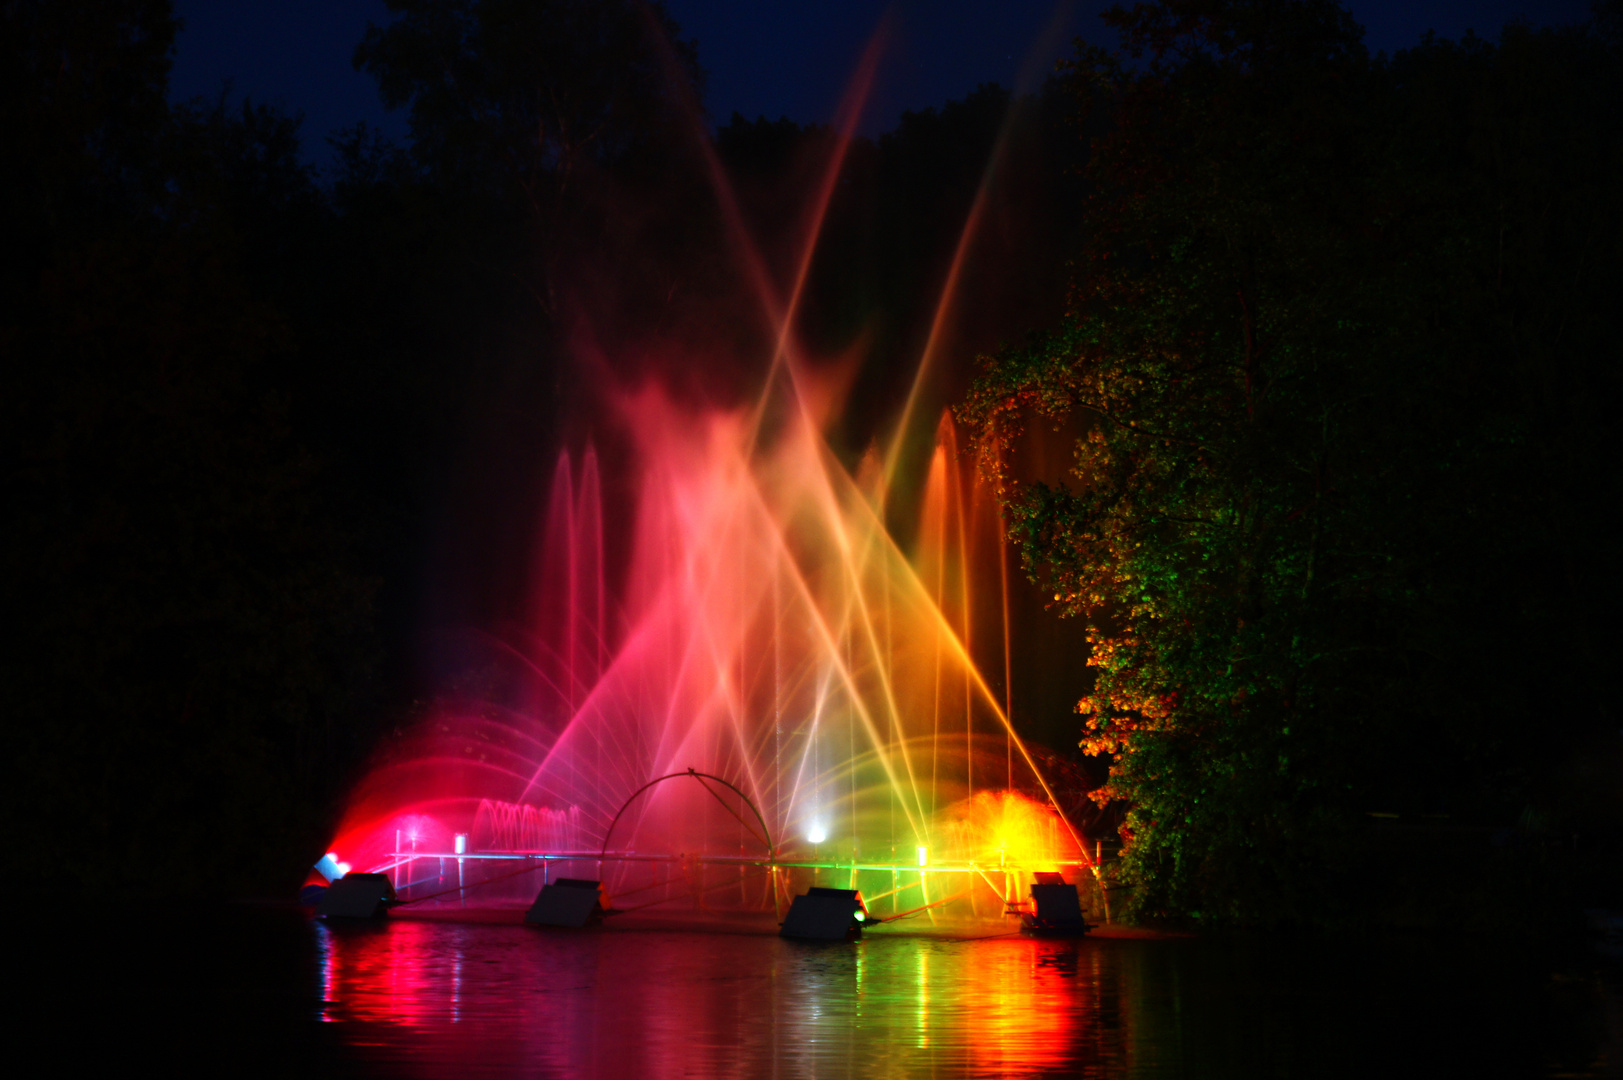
(770,692)
(782,695)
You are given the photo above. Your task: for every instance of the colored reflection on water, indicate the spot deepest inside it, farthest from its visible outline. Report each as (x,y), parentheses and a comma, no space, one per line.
(269,991)
(423,998)
(663,1003)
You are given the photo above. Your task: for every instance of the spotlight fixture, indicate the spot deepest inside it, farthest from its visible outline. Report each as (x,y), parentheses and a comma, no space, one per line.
(1056,909)
(358,896)
(573,902)
(825,915)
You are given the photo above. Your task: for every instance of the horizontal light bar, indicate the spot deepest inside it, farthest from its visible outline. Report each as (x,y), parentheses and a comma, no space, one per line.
(403,858)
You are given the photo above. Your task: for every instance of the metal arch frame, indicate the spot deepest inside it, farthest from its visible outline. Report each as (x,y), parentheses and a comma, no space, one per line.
(766,834)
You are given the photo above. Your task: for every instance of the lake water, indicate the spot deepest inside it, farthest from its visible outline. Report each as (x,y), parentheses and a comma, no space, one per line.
(275,992)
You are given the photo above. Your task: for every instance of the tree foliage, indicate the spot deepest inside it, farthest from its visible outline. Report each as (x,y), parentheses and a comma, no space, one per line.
(1335,344)
(193,636)
(531,91)
(1338,341)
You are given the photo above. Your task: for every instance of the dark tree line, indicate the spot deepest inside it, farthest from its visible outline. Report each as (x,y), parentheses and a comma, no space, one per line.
(239,395)
(264,426)
(1338,345)
(1342,364)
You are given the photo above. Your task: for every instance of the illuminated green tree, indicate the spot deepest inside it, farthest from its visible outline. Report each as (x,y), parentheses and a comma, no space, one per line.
(1296,437)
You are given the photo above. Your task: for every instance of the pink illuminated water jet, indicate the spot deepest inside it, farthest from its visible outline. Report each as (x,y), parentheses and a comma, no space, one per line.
(771,631)
(764,626)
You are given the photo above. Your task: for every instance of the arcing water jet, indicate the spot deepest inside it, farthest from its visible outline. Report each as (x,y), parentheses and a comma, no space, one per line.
(766,627)
(770,631)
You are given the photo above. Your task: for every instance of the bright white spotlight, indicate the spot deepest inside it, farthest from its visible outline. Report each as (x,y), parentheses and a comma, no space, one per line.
(816,834)
(924,856)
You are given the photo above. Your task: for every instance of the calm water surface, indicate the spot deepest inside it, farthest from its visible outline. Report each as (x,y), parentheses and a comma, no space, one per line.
(276,992)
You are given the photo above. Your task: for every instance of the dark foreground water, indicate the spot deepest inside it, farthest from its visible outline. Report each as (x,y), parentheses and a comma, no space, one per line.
(267,992)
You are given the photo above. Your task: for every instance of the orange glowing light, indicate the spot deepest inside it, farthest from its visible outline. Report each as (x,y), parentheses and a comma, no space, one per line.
(765,624)
(1005,828)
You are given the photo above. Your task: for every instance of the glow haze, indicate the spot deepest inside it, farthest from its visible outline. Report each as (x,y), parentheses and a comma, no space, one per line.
(767,630)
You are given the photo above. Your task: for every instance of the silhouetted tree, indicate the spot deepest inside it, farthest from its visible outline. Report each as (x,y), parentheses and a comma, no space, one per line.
(1329,503)
(532,103)
(195,635)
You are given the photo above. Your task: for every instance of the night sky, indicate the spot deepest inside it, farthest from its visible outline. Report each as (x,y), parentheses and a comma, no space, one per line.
(764,57)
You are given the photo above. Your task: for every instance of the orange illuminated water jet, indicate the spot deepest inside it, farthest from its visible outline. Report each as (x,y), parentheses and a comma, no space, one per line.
(768,628)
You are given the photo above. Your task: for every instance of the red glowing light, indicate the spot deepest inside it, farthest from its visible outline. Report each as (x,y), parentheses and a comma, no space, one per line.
(767,627)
